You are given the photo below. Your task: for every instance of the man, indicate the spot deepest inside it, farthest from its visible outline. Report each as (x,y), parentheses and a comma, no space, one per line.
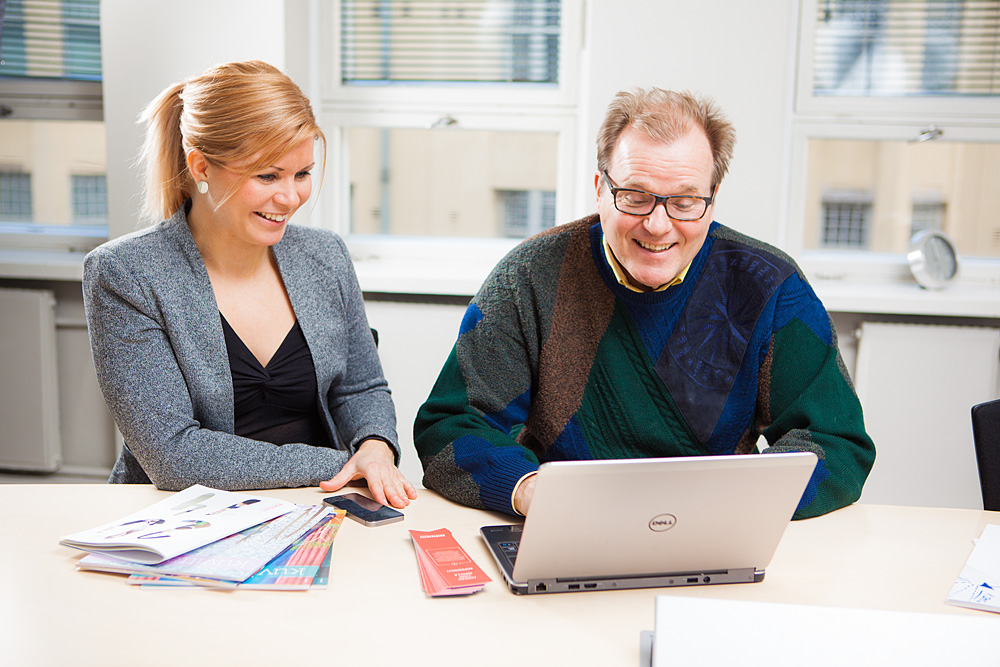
(645,330)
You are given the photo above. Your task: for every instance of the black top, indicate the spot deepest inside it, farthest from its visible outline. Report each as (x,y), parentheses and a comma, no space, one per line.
(276,404)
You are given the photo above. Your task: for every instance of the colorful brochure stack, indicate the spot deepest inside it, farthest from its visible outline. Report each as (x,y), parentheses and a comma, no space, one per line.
(445,567)
(302,566)
(202,536)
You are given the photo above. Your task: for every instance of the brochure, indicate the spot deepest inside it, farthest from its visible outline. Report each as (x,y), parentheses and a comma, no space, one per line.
(232,559)
(303,565)
(445,567)
(978,585)
(178,524)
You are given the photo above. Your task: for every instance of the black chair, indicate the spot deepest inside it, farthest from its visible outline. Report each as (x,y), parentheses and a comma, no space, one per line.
(986,434)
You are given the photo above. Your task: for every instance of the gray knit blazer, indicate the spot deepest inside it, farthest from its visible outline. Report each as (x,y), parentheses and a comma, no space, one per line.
(162,364)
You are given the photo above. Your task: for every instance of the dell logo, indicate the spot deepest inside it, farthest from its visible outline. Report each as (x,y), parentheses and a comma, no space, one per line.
(662,522)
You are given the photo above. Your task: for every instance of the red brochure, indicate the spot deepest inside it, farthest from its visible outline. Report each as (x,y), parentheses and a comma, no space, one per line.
(445,568)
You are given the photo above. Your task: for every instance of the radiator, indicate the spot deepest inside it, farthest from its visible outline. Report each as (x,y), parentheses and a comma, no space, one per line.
(917,384)
(29,390)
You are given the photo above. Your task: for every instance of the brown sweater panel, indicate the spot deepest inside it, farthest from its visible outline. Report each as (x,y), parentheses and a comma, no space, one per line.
(583,309)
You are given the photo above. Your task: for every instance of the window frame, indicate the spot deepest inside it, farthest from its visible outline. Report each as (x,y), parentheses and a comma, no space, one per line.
(833,264)
(488,95)
(916,108)
(73,237)
(388,263)
(437,265)
(901,118)
(50,99)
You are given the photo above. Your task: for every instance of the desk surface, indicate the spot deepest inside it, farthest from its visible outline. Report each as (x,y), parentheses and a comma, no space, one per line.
(374,611)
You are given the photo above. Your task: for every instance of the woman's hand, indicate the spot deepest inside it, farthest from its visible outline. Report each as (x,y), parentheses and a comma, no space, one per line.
(374,462)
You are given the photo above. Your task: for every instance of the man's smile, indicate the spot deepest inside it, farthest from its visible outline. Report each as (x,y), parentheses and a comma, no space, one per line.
(655,247)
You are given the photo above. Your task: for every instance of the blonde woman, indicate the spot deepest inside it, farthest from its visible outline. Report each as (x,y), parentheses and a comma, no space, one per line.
(231,346)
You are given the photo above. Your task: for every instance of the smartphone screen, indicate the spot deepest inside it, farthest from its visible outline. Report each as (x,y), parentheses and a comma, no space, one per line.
(364,510)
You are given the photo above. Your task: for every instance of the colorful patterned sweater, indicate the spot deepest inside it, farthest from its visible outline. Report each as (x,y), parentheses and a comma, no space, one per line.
(555,360)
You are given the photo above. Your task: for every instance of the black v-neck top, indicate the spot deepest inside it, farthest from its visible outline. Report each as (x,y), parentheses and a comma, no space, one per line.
(276,403)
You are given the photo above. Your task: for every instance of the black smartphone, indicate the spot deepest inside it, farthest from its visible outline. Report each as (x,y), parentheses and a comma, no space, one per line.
(364,510)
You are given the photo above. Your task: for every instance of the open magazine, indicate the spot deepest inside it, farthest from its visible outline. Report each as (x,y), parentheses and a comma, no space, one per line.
(178,524)
(232,559)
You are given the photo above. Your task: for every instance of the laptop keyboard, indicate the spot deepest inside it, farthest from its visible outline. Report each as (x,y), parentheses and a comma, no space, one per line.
(509,549)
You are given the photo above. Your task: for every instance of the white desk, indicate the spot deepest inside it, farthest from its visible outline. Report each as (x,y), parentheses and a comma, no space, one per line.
(375,613)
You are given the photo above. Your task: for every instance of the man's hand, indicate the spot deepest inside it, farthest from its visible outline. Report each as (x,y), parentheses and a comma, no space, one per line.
(522,497)
(374,463)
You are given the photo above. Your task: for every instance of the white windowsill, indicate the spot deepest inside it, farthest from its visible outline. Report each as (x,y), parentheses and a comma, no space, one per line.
(960,300)
(28,264)
(401,276)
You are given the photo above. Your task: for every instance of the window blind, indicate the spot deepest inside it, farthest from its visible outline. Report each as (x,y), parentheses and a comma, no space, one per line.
(50,39)
(907,48)
(457,41)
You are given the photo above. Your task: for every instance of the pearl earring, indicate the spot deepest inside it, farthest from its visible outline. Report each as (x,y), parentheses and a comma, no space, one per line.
(202,186)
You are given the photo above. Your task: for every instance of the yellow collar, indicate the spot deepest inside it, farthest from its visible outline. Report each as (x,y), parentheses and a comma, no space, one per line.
(623,278)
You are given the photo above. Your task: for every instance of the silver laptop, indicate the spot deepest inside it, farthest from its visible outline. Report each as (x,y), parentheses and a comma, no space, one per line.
(645,523)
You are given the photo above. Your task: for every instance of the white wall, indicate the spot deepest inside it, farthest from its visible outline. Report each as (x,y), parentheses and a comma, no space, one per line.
(146,46)
(414,341)
(738,53)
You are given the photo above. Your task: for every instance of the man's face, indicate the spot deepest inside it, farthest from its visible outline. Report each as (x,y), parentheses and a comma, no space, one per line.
(653,249)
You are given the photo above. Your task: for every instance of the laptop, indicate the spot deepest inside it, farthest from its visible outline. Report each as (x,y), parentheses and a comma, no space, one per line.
(647,523)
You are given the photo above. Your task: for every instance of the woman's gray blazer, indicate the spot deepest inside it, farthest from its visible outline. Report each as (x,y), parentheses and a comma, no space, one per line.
(161,360)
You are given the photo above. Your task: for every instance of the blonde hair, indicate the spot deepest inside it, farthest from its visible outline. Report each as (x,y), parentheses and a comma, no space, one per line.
(665,115)
(232,113)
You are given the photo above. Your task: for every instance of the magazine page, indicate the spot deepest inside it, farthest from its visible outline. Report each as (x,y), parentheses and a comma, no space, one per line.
(233,559)
(978,585)
(178,524)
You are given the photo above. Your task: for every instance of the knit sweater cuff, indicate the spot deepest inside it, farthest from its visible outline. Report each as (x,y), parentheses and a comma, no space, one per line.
(497,489)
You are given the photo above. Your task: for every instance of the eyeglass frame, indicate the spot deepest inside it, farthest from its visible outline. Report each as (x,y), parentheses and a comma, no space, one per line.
(657,200)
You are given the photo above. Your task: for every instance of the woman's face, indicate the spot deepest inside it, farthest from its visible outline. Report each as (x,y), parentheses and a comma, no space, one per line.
(258,211)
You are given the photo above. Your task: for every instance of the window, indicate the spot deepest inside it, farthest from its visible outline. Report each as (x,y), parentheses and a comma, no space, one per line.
(15,196)
(51,124)
(419,182)
(928,215)
(526,212)
(90,198)
(893,47)
(896,129)
(450,124)
(846,219)
(414,41)
(878,56)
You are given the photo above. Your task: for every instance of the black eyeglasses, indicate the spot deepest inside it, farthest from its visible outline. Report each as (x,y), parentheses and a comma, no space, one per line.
(683,208)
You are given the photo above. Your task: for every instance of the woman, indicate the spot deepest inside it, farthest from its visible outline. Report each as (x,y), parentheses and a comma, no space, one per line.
(232,348)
